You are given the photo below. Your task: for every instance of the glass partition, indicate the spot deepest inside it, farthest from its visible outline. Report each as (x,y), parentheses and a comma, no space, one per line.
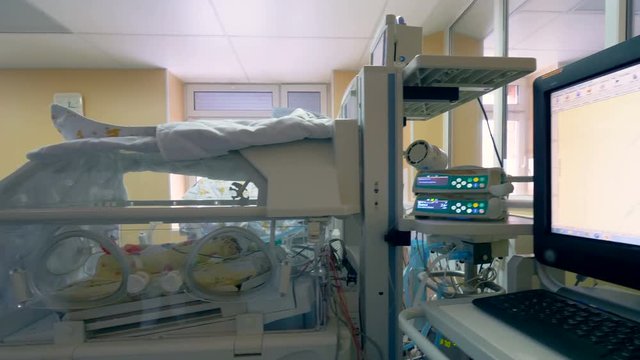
(555,33)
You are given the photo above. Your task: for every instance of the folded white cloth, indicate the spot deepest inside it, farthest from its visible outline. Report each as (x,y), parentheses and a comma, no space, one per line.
(141,144)
(74,126)
(206,138)
(188,140)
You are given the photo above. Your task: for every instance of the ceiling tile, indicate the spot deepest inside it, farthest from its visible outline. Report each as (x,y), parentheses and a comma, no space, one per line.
(547,60)
(515,5)
(477,21)
(191,58)
(568,32)
(166,17)
(298,60)
(549,5)
(50,51)
(17,16)
(523,24)
(591,5)
(443,14)
(295,18)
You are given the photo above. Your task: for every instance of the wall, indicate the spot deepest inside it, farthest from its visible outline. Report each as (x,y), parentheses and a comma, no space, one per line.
(175,98)
(123,97)
(340,80)
(432,130)
(466,131)
(467,119)
(176,112)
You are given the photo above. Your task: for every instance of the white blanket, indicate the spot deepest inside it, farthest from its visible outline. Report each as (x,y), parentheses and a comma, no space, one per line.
(189,140)
(205,138)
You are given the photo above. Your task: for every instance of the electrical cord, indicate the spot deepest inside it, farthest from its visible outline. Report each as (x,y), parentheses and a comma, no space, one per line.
(336,263)
(493,140)
(343,304)
(579,279)
(375,346)
(333,306)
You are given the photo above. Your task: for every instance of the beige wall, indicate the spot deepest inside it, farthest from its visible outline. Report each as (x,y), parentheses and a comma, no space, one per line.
(467,119)
(340,80)
(432,130)
(466,131)
(467,125)
(176,104)
(175,98)
(124,97)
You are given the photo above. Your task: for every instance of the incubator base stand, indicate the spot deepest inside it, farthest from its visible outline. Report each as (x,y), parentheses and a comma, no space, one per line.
(162,317)
(309,345)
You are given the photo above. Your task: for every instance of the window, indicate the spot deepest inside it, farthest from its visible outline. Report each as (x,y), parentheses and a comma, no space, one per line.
(231,101)
(635,21)
(555,33)
(238,101)
(309,97)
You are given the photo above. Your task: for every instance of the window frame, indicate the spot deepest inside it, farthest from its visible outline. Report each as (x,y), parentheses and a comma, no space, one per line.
(192,113)
(279,96)
(321,88)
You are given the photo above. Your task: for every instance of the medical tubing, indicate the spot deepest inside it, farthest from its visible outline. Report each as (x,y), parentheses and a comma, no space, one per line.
(429,350)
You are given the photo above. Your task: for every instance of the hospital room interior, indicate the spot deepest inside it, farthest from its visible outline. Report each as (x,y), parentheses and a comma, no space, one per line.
(319,179)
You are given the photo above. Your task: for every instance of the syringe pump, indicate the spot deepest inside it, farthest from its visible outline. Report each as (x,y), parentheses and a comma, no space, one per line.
(459,207)
(464,180)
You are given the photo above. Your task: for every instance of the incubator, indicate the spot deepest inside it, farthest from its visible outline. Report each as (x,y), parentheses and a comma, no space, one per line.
(234,268)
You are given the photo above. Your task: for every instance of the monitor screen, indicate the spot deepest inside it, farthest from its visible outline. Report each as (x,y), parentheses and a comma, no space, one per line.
(587,181)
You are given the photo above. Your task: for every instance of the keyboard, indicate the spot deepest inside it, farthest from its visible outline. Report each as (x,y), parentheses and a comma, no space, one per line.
(573,329)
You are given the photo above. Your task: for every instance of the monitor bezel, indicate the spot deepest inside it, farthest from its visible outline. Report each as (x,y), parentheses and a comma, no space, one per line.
(608,261)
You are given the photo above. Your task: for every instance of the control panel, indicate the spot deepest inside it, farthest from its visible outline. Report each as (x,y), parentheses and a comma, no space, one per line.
(466,180)
(430,205)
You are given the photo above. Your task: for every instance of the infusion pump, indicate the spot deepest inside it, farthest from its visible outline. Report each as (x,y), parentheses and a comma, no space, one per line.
(462,180)
(459,207)
(462,193)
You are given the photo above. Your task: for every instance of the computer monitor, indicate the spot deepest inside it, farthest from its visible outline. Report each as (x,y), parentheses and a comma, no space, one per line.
(587,166)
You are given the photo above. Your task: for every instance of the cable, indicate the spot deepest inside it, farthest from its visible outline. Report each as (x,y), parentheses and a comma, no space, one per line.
(443,285)
(299,253)
(422,250)
(375,346)
(344,308)
(493,140)
(333,306)
(579,279)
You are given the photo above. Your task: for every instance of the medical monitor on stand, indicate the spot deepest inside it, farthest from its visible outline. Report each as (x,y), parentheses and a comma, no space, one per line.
(395,43)
(587,166)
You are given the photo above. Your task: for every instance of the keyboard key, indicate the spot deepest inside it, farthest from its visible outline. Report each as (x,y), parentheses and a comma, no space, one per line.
(575,330)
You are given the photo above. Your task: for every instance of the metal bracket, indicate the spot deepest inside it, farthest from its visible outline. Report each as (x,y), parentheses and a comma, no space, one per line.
(249,332)
(239,189)
(396,237)
(68,333)
(430,93)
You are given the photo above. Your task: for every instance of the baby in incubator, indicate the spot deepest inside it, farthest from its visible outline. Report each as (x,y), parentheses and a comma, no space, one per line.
(221,264)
